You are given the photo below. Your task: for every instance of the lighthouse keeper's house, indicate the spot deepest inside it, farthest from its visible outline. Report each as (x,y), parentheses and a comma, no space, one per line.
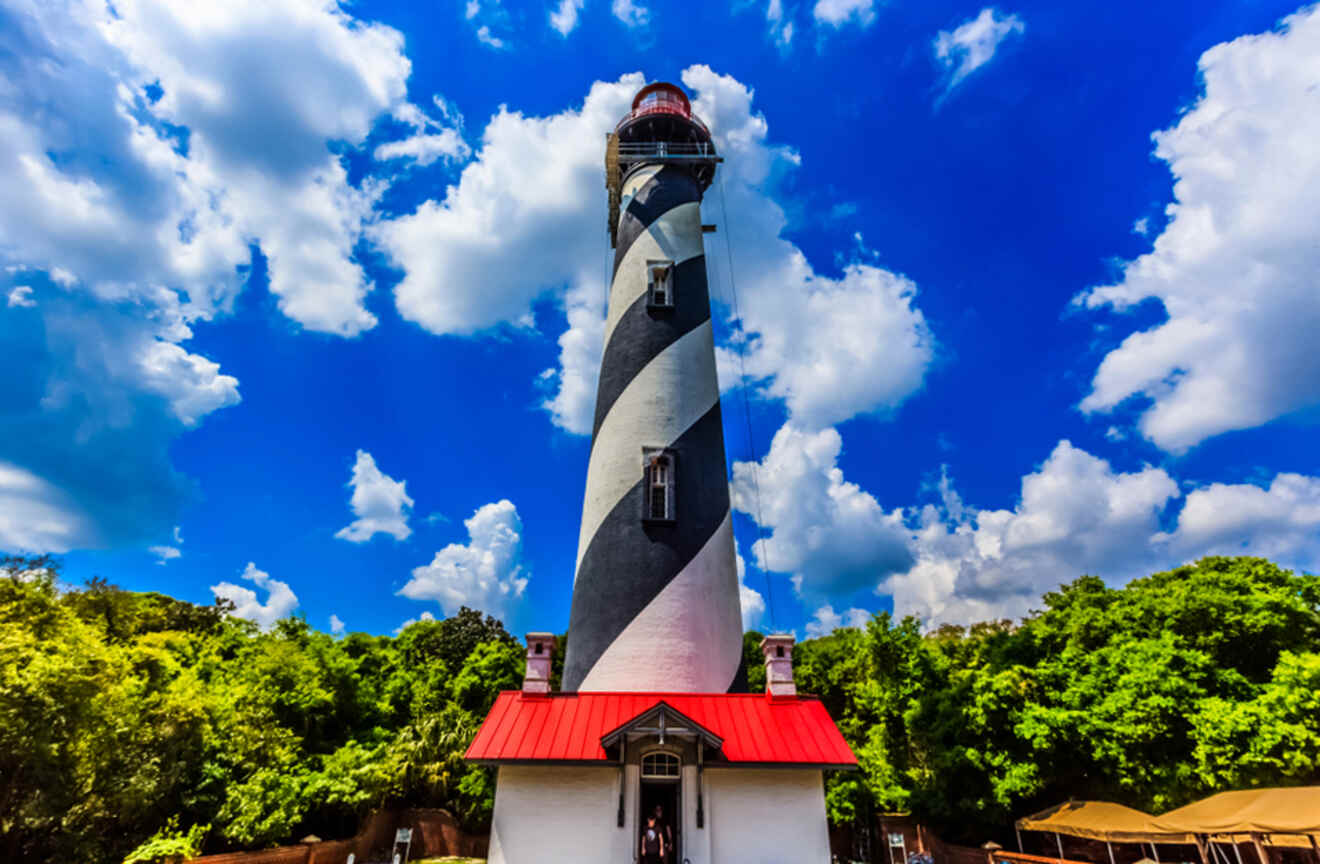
(739,775)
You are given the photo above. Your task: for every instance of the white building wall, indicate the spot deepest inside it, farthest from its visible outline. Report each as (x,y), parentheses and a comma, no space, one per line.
(766,816)
(696,841)
(562,813)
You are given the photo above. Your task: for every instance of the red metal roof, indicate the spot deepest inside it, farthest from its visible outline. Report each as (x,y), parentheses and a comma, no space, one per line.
(567,727)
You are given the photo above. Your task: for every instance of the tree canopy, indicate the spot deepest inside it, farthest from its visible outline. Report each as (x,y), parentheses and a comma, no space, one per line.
(136,725)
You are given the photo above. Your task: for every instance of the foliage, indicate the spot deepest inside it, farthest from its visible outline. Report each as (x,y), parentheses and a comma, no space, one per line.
(169,844)
(1177,685)
(124,715)
(121,711)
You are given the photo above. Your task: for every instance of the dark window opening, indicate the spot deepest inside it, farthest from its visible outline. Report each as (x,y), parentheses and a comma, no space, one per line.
(659,502)
(660,284)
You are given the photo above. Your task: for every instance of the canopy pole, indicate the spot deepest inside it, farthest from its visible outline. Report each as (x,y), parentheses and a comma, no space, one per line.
(1200,847)
(1110,847)
(1155,852)
(1315,847)
(1018,832)
(1260,849)
(1058,843)
(1237,851)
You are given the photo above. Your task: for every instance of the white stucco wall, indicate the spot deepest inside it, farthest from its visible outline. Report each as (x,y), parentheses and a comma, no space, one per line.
(560,813)
(567,814)
(767,816)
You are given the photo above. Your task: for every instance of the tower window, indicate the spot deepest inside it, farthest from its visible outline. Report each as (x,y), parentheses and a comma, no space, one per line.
(659,484)
(660,284)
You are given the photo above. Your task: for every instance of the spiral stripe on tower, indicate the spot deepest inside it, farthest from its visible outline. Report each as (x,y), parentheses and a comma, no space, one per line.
(655,602)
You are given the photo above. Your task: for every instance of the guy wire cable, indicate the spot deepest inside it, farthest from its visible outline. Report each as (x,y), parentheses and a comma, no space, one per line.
(747,410)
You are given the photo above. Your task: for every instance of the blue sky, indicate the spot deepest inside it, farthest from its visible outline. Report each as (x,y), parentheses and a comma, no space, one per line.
(301,303)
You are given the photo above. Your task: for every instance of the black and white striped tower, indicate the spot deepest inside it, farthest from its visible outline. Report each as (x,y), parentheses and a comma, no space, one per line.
(655,597)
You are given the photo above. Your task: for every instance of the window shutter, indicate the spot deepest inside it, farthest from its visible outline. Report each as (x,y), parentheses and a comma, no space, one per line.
(671,503)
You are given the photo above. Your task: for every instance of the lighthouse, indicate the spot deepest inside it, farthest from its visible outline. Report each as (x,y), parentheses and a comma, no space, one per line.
(644,739)
(655,591)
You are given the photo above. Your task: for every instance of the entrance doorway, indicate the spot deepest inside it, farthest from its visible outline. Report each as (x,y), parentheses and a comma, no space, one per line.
(665,794)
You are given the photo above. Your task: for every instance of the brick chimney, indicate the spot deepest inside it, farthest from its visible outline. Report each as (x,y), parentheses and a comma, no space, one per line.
(540,651)
(778,651)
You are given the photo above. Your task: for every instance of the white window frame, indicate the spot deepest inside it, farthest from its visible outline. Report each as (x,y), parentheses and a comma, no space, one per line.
(668,300)
(677,762)
(650,456)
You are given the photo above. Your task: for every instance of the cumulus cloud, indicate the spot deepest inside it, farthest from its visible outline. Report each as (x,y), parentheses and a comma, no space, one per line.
(280,599)
(973,43)
(1281,522)
(336,625)
(837,13)
(144,150)
(1235,267)
(803,334)
(526,219)
(564,17)
(631,13)
(35,516)
(1076,515)
(825,620)
(951,562)
(425,616)
(749,599)
(20,296)
(781,25)
(486,573)
(165,554)
(830,534)
(380,503)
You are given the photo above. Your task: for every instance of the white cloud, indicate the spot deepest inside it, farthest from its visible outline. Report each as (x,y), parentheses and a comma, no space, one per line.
(425,148)
(631,13)
(485,574)
(164,554)
(825,620)
(973,43)
(564,18)
(781,30)
(263,88)
(485,37)
(336,625)
(380,503)
(1076,515)
(830,534)
(806,333)
(527,219)
(280,599)
(1281,522)
(836,13)
(750,600)
(425,616)
(36,516)
(1235,267)
(21,297)
(144,149)
(1141,226)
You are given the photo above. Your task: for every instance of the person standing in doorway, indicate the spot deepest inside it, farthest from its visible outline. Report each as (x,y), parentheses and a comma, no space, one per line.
(666,831)
(653,843)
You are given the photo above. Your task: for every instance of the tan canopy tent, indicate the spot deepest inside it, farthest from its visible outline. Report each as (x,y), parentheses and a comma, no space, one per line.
(1294,810)
(1101,820)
